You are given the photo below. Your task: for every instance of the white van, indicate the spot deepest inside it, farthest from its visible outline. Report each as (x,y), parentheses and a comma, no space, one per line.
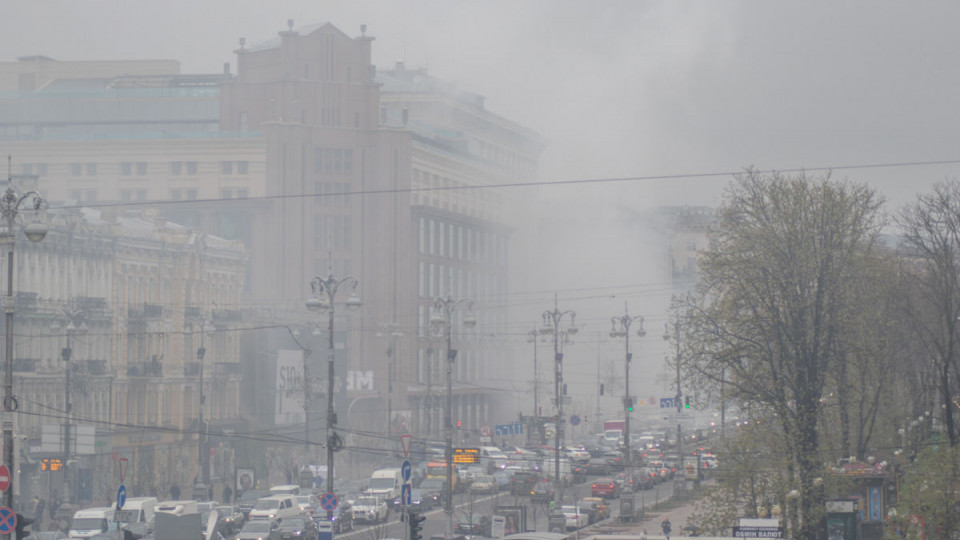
(287,489)
(136,510)
(492,457)
(177,507)
(385,484)
(275,507)
(91,521)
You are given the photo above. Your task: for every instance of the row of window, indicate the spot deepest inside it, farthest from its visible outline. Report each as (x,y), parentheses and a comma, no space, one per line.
(140,168)
(332,231)
(129,195)
(439,280)
(335,194)
(461,243)
(333,160)
(430,368)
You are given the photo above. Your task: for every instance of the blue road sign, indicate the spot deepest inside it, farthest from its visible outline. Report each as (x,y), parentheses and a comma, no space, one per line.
(405,494)
(8,520)
(405,470)
(329,501)
(515,428)
(121,496)
(574,420)
(667,403)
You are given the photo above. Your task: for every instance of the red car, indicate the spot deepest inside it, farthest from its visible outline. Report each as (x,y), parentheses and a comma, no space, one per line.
(606,488)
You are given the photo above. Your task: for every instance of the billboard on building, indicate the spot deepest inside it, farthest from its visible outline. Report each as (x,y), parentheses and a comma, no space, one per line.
(290,387)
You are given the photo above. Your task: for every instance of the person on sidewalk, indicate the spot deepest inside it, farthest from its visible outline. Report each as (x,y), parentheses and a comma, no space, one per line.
(667,527)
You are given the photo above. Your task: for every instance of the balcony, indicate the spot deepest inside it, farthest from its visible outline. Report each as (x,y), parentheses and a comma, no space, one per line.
(145,312)
(91,303)
(26,300)
(191,369)
(225,316)
(224,369)
(93,367)
(145,369)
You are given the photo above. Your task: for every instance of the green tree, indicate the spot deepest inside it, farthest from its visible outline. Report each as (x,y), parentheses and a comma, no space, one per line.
(775,303)
(931,492)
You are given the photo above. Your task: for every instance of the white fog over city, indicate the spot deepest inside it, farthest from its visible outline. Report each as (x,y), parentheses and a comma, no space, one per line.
(429,269)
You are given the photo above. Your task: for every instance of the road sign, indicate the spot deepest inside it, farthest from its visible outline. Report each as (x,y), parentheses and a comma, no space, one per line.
(574,420)
(405,470)
(8,520)
(466,456)
(121,496)
(324,530)
(515,428)
(4,478)
(405,444)
(329,501)
(405,494)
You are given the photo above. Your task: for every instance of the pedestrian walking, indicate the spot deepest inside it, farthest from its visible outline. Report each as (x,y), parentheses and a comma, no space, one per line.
(175,492)
(667,527)
(227,493)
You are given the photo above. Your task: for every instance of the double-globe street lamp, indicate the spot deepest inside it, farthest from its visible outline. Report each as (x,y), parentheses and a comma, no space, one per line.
(76,324)
(621,328)
(11,203)
(324,293)
(552,325)
(203,453)
(441,318)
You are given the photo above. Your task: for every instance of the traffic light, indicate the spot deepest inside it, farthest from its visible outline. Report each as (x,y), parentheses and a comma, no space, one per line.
(686,402)
(628,403)
(22,522)
(415,522)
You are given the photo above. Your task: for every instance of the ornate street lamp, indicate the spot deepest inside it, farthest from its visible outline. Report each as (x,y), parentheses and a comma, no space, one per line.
(552,325)
(621,328)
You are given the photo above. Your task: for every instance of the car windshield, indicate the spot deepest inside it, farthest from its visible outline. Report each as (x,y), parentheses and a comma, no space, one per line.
(257,526)
(383,483)
(293,524)
(366,501)
(264,504)
(568,509)
(86,524)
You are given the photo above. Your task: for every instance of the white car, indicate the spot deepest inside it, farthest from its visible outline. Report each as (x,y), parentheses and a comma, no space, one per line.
(574,518)
(368,509)
(577,455)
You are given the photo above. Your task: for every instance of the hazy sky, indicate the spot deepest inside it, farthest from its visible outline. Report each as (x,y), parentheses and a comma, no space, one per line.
(618,88)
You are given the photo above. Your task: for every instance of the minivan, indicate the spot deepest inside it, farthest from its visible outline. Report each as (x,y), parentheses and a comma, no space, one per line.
(286,489)
(136,510)
(275,507)
(92,521)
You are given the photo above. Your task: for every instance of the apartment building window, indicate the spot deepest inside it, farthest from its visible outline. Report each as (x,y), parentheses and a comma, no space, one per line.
(91,169)
(191,194)
(175,195)
(191,168)
(226,167)
(91,194)
(422,237)
(141,194)
(126,195)
(333,160)
(243,121)
(76,194)
(243,167)
(141,168)
(242,193)
(226,193)
(126,168)
(176,168)
(76,169)
(26,168)
(42,169)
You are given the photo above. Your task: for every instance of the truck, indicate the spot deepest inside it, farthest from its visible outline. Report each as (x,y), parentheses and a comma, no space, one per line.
(613,431)
(385,484)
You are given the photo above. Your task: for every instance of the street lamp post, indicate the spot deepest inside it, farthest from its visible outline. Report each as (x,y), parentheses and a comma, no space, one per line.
(444,306)
(679,397)
(10,206)
(73,317)
(393,331)
(621,328)
(552,325)
(203,455)
(324,294)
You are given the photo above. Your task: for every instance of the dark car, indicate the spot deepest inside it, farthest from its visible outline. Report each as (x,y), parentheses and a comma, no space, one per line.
(342,517)
(541,491)
(598,466)
(262,529)
(473,525)
(522,482)
(418,501)
(615,460)
(298,527)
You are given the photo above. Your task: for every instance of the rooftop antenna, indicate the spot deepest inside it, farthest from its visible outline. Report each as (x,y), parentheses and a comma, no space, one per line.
(243,42)
(290,25)
(363,30)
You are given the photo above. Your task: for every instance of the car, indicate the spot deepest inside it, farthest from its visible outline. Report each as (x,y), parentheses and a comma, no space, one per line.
(418,501)
(648,478)
(542,491)
(298,527)
(590,509)
(484,484)
(47,535)
(503,479)
(342,516)
(628,481)
(369,509)
(522,482)
(615,460)
(603,509)
(306,502)
(230,519)
(473,525)
(260,529)
(597,466)
(605,487)
(578,455)
(249,498)
(573,518)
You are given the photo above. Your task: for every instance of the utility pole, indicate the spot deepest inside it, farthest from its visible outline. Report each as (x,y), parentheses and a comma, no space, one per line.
(552,326)
(621,328)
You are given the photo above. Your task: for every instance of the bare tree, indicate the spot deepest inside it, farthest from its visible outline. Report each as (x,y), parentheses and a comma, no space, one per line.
(931,230)
(776,302)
